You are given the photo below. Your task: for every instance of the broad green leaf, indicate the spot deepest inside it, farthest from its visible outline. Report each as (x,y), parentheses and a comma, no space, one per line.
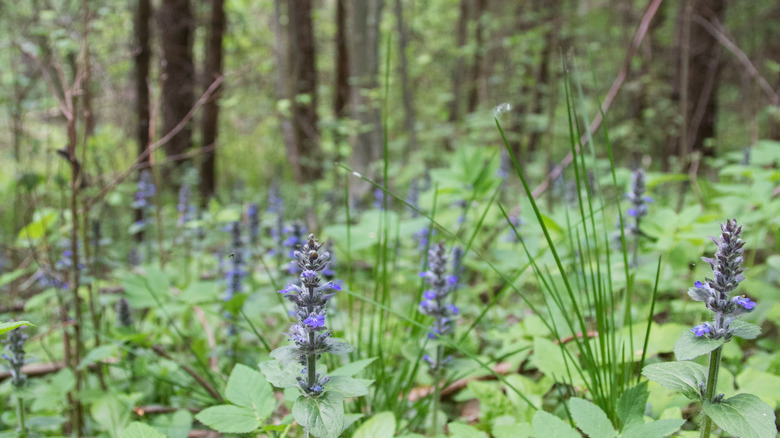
(653,429)
(549,426)
(112,414)
(37,228)
(141,430)
(248,388)
(348,386)
(690,346)
(352,368)
(98,354)
(461,430)
(286,354)
(516,430)
(136,292)
(200,292)
(381,425)
(281,376)
(684,376)
(230,419)
(549,359)
(337,346)
(631,405)
(323,416)
(764,385)
(744,329)
(177,425)
(590,418)
(236,303)
(8,326)
(743,415)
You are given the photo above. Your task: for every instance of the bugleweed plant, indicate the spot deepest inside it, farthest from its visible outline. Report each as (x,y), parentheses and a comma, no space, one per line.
(15,357)
(743,415)
(638,209)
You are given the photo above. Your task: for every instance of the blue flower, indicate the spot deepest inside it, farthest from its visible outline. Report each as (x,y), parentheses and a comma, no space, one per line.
(632,212)
(308,274)
(430,294)
(745,302)
(701,329)
(698,285)
(453,309)
(314,320)
(331,285)
(452,280)
(287,289)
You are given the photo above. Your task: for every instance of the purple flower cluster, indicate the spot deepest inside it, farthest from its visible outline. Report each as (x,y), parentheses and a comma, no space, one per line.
(434,301)
(145,190)
(715,292)
(637,198)
(15,357)
(310,335)
(253,216)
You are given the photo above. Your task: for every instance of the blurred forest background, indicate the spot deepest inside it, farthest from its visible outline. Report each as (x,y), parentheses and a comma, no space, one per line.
(255,93)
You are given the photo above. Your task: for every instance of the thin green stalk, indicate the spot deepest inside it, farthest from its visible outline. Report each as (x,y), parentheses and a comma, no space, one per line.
(437,389)
(712,381)
(22,432)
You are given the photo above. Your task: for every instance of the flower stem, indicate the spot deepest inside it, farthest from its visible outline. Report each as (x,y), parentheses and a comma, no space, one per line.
(312,364)
(437,377)
(712,381)
(22,432)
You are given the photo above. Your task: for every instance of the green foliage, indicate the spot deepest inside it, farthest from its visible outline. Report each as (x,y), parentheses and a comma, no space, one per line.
(743,415)
(683,376)
(321,416)
(253,402)
(8,326)
(690,346)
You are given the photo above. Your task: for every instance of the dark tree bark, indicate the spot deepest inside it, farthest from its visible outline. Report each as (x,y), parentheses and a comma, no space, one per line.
(178,96)
(365,18)
(542,84)
(403,71)
(699,82)
(476,68)
(341,95)
(282,69)
(457,72)
(303,89)
(211,72)
(142,58)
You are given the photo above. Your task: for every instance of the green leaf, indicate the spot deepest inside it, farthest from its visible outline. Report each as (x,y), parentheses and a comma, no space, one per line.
(764,385)
(381,425)
(111,413)
(591,419)
(690,346)
(141,430)
(236,303)
(281,376)
(36,229)
(8,326)
(653,429)
(683,376)
(286,354)
(348,386)
(352,368)
(461,430)
(98,354)
(177,425)
(337,346)
(631,405)
(323,416)
(743,415)
(550,426)
(744,329)
(230,419)
(248,388)
(200,292)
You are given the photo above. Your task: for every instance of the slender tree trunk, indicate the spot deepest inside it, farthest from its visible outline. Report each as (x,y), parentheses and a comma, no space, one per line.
(178,96)
(282,75)
(211,72)
(479,57)
(542,84)
(403,71)
(303,89)
(460,62)
(700,81)
(364,70)
(341,95)
(142,58)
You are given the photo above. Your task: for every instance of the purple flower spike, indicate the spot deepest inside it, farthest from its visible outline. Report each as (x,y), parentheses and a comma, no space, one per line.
(308,274)
(315,321)
(745,302)
(700,330)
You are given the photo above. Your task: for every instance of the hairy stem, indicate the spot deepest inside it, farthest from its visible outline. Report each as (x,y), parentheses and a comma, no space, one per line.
(22,432)
(712,381)
(437,389)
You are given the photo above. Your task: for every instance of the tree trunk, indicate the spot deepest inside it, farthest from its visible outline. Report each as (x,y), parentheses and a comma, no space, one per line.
(282,69)
(211,72)
(176,29)
(476,68)
(364,71)
(543,84)
(303,89)
(699,99)
(341,95)
(457,72)
(403,72)
(143,56)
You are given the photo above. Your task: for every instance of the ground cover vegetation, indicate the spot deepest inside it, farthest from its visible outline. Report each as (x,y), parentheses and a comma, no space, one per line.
(468,218)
